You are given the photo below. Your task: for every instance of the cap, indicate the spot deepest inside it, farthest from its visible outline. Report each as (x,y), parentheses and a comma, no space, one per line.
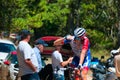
(59,41)
(25,32)
(40,41)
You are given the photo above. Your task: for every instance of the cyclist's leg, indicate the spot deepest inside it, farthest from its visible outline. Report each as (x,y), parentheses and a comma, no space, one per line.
(81,74)
(84,73)
(75,63)
(78,75)
(86,65)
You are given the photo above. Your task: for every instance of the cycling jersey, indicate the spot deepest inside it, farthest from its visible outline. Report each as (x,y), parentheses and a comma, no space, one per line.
(85,44)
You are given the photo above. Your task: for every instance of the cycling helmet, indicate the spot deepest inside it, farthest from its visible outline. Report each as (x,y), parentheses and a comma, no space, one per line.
(78,32)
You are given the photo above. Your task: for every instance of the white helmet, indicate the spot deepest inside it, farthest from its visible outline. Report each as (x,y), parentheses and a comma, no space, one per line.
(78,32)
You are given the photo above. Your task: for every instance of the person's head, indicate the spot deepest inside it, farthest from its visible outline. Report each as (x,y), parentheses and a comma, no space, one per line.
(79,32)
(40,44)
(25,34)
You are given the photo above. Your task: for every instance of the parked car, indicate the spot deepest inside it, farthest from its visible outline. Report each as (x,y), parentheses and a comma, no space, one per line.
(11,61)
(6,48)
(66,49)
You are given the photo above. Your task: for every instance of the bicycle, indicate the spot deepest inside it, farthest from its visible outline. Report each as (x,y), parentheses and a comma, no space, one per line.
(73,73)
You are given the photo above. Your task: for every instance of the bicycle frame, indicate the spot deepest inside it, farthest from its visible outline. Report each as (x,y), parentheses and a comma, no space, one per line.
(74,74)
(77,75)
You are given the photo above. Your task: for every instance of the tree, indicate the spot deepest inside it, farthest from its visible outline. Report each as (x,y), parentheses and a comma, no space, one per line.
(6,8)
(118,8)
(61,17)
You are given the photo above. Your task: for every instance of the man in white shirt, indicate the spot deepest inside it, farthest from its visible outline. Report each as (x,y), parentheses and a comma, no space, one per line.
(28,64)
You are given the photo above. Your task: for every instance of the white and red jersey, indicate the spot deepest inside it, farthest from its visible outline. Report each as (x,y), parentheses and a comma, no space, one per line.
(85,44)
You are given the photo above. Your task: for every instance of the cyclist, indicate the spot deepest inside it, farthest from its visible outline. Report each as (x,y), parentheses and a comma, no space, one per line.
(81,47)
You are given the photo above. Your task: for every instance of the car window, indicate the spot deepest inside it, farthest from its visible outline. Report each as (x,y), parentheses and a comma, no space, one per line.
(65,46)
(50,43)
(4,47)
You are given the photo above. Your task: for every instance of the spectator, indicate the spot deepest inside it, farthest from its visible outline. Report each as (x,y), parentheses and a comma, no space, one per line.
(38,49)
(57,61)
(27,60)
(117,62)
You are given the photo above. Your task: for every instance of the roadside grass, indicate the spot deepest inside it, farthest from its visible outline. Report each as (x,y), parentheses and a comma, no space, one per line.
(99,53)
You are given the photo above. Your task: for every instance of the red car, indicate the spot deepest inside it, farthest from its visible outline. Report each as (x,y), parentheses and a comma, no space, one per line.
(66,50)
(46,55)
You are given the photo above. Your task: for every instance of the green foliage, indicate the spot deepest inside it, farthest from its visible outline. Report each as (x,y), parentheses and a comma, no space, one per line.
(60,17)
(34,15)
(99,18)
(19,24)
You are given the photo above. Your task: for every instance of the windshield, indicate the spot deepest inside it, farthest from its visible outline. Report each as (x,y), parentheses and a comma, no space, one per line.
(4,47)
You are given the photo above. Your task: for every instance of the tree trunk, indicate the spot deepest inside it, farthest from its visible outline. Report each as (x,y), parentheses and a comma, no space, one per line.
(73,18)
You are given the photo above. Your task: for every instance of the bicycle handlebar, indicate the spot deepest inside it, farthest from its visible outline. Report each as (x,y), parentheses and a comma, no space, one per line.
(68,68)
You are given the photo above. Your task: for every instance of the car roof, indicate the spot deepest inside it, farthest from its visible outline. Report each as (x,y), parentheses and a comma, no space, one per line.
(6,41)
(50,38)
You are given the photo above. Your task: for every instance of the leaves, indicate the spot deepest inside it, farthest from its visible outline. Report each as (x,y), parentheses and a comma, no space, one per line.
(60,17)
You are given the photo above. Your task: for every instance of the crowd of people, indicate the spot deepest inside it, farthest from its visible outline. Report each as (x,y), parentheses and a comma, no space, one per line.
(29,59)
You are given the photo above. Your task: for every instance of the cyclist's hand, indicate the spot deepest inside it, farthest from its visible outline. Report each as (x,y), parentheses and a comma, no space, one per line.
(79,66)
(69,37)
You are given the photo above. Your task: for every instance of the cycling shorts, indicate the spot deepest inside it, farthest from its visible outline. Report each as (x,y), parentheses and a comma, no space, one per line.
(86,63)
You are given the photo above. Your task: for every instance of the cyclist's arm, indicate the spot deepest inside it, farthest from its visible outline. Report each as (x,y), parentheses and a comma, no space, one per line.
(82,56)
(65,40)
(84,50)
(68,39)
